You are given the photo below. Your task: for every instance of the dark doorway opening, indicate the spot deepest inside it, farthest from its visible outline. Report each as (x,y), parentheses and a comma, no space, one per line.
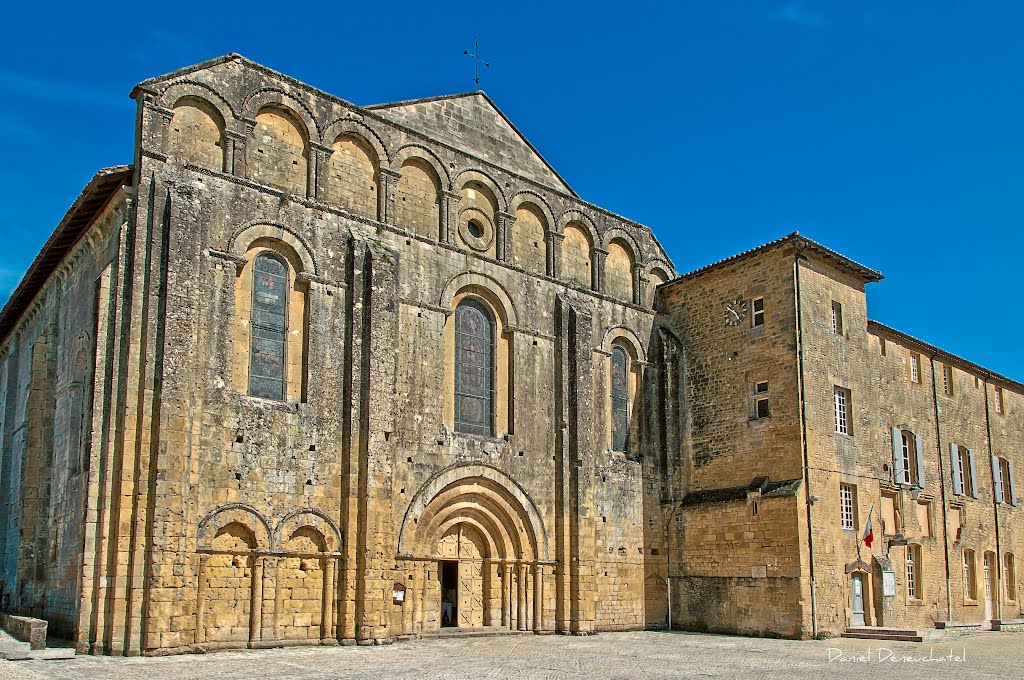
(449,594)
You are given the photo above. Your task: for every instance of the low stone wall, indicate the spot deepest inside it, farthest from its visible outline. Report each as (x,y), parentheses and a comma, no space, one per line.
(26,629)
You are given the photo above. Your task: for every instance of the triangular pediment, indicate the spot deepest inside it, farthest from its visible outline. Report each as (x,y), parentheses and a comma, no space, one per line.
(471,122)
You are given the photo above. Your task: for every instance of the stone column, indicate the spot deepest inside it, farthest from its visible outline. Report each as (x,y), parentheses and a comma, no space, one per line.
(317,170)
(386,195)
(538,598)
(521,600)
(256,599)
(506,601)
(327,603)
(234,153)
(529,598)
(501,236)
(597,257)
(639,285)
(554,247)
(200,633)
(449,215)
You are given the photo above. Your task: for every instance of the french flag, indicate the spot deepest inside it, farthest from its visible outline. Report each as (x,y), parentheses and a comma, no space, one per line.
(869,531)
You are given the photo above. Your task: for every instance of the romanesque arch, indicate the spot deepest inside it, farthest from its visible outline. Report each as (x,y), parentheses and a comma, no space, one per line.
(195,133)
(488,542)
(480,201)
(618,270)
(353,174)
(529,238)
(280,146)
(418,198)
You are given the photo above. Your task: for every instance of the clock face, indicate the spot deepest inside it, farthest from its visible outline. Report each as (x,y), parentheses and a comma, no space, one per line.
(735,311)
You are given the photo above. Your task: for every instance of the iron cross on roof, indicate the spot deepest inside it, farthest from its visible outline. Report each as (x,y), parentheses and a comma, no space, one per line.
(476,60)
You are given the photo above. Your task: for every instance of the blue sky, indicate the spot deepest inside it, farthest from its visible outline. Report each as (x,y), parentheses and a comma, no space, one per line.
(892,132)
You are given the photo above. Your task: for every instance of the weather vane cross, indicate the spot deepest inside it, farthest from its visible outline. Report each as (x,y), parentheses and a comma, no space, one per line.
(476,60)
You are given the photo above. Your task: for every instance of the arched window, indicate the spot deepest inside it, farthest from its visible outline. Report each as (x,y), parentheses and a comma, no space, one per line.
(474,368)
(269,304)
(620,399)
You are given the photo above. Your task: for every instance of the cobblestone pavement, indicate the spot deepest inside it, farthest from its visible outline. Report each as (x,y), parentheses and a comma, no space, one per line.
(610,655)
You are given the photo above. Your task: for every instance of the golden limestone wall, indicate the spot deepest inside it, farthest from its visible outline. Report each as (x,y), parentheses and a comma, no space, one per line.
(731,568)
(48,414)
(269,469)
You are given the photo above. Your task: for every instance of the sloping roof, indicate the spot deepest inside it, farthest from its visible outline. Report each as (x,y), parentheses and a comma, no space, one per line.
(785,487)
(75,223)
(869,275)
(461,119)
(881,329)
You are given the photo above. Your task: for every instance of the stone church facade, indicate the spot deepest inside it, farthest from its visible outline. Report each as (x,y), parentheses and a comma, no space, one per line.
(314,373)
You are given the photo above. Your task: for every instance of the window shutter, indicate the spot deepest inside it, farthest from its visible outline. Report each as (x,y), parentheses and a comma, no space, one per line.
(958,474)
(997,482)
(974,473)
(1010,491)
(920,460)
(898,471)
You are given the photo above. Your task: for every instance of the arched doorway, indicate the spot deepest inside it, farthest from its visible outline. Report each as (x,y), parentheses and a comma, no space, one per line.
(482,550)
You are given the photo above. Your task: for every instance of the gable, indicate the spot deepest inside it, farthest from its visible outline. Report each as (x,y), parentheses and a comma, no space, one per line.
(473,124)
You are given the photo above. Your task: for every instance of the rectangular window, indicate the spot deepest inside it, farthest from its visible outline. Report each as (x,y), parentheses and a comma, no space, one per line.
(842,402)
(759,404)
(758,317)
(924,517)
(970,581)
(837,318)
(890,515)
(913,572)
(915,367)
(847,496)
(999,400)
(965,471)
(881,343)
(905,447)
(947,380)
(1009,577)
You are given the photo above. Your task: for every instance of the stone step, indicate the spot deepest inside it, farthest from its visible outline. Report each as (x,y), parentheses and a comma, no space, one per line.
(473,632)
(885,634)
(883,629)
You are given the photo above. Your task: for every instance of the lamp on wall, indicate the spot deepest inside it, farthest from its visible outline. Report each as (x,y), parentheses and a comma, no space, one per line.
(915,493)
(898,539)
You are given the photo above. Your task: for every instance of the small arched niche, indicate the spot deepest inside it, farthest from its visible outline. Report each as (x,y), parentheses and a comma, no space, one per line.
(196,134)
(419,198)
(280,150)
(354,175)
(577,266)
(618,271)
(529,239)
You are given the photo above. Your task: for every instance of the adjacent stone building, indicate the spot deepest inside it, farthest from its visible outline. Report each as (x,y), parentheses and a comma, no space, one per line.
(314,373)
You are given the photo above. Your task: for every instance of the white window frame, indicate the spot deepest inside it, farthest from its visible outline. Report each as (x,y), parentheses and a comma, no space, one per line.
(757,315)
(970,576)
(913,573)
(847,494)
(947,380)
(966,481)
(999,400)
(841,397)
(837,318)
(915,368)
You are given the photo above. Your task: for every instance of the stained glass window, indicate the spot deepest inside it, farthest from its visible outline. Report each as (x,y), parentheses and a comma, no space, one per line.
(620,399)
(474,368)
(266,356)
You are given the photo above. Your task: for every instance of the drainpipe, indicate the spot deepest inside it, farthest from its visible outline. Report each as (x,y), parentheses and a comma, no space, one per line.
(803,440)
(998,585)
(942,489)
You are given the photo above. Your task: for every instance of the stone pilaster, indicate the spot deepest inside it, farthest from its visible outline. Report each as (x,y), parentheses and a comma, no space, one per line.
(449,216)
